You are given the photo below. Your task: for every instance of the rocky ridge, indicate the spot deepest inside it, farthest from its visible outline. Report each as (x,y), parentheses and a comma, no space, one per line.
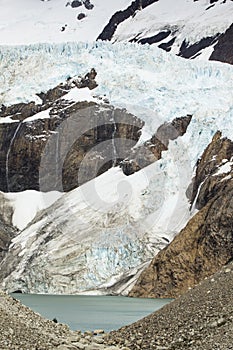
(151,150)
(75,129)
(206,243)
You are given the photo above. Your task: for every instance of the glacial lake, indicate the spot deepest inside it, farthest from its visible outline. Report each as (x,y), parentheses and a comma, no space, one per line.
(91,312)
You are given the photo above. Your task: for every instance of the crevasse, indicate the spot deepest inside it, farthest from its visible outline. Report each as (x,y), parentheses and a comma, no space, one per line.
(157,87)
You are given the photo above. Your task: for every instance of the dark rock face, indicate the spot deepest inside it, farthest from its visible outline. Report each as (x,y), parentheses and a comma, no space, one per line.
(88,80)
(88,4)
(71,131)
(76,3)
(189,51)
(53,94)
(223,49)
(7,231)
(121,16)
(23,143)
(20,111)
(81,16)
(152,149)
(219,150)
(206,243)
(102,146)
(154,39)
(21,147)
(167,46)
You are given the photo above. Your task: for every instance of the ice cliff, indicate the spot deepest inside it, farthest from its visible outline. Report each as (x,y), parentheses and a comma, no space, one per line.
(107,230)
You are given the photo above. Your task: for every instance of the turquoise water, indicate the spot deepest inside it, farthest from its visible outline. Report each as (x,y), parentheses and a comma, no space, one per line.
(91,312)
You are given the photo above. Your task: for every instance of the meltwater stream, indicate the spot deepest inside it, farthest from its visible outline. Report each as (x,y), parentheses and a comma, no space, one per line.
(91,312)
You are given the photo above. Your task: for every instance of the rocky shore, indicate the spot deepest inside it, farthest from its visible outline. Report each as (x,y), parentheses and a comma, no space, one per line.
(202,318)
(23,329)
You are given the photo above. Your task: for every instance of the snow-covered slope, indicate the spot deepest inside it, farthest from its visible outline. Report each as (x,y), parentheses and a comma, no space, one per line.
(27,21)
(26,204)
(171,25)
(107,230)
(96,235)
(184,20)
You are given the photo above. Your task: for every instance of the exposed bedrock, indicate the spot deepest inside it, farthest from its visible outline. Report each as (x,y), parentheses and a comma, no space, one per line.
(206,243)
(152,149)
(223,49)
(47,150)
(7,231)
(121,16)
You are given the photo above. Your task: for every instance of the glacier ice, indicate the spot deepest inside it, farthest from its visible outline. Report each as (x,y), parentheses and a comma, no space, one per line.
(76,245)
(147,81)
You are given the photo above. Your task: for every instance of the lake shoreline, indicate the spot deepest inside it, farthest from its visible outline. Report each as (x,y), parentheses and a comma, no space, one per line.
(85,312)
(21,329)
(202,318)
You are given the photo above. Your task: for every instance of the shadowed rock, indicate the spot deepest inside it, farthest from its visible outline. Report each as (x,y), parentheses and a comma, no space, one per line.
(152,149)
(223,49)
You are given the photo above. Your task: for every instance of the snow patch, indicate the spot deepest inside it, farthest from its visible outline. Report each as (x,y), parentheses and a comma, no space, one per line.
(40,115)
(77,95)
(28,203)
(225,168)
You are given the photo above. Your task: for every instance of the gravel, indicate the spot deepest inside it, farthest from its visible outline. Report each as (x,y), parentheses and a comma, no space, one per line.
(23,329)
(201,319)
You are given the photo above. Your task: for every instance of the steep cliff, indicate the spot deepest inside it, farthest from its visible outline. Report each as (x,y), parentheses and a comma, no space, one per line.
(7,231)
(223,49)
(206,243)
(43,146)
(151,150)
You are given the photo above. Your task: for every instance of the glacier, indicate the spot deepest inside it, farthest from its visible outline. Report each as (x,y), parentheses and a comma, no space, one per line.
(56,21)
(107,230)
(156,86)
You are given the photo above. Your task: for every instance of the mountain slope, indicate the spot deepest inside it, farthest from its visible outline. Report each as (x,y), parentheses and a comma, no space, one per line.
(27,22)
(106,231)
(186,27)
(206,243)
(121,222)
(199,319)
